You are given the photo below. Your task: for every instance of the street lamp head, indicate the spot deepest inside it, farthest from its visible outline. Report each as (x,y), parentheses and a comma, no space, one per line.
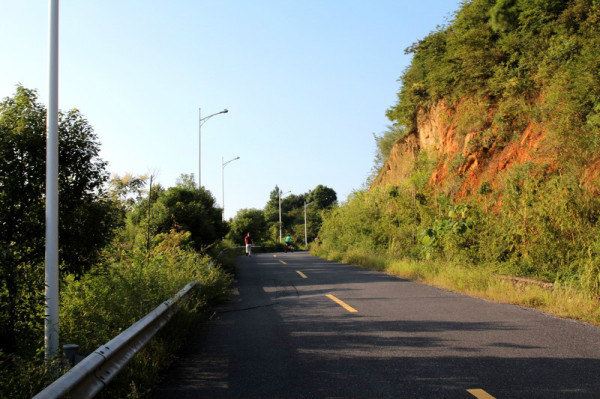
(225,111)
(224,163)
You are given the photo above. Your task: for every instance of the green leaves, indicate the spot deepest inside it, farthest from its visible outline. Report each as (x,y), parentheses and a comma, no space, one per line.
(321,198)
(248,221)
(183,207)
(87,216)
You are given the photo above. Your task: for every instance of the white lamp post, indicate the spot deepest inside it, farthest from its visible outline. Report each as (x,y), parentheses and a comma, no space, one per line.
(223,164)
(280,195)
(51,324)
(306,204)
(201,122)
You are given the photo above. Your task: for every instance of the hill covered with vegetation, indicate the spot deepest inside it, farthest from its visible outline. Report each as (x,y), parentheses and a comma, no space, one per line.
(503,74)
(492,162)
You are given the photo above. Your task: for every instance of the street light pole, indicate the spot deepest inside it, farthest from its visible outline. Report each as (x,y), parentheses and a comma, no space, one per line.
(280,194)
(201,122)
(51,324)
(306,204)
(223,164)
(199,147)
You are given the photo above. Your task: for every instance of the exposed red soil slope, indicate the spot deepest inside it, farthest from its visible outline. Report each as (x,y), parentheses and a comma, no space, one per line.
(465,160)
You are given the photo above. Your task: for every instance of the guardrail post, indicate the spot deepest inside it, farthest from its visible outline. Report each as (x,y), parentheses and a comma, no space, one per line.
(71,352)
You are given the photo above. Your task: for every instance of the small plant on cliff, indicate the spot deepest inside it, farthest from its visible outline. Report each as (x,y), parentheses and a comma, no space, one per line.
(385,142)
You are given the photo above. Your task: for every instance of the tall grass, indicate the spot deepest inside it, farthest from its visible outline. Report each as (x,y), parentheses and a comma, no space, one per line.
(480,281)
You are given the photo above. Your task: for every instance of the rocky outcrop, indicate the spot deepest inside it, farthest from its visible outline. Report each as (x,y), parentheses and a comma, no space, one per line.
(464,158)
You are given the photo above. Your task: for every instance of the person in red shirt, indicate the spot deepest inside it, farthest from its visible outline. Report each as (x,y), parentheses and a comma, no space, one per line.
(248,243)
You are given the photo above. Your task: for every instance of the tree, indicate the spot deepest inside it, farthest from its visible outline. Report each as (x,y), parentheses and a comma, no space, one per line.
(322,196)
(183,207)
(272,206)
(248,221)
(292,208)
(292,211)
(87,216)
(127,189)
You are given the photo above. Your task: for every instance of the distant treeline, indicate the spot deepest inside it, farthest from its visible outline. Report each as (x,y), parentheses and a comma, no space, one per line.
(263,224)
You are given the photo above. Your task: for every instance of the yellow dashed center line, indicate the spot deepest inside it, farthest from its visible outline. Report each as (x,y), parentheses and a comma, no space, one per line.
(301,274)
(341,303)
(282,262)
(480,393)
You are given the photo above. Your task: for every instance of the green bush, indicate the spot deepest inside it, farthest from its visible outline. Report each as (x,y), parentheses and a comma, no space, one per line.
(122,289)
(183,207)
(248,221)
(545,227)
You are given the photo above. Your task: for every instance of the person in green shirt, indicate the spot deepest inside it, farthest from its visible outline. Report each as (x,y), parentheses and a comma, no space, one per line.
(289,241)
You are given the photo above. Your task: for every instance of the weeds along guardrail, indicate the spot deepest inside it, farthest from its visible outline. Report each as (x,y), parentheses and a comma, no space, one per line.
(92,374)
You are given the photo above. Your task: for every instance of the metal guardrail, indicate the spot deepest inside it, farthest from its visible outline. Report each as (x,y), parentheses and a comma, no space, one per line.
(93,373)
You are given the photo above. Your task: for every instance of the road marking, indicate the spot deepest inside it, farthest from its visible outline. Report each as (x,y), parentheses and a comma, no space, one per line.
(480,393)
(301,274)
(341,303)
(282,262)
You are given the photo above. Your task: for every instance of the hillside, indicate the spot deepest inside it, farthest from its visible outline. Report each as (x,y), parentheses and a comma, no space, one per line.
(507,83)
(465,163)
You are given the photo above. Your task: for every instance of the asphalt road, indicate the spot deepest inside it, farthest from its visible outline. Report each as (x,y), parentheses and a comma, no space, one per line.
(378,336)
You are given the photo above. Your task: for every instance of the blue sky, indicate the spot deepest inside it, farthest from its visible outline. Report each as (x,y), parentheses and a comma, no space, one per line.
(307,83)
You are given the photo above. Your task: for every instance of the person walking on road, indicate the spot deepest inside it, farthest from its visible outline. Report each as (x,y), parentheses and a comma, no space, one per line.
(248,243)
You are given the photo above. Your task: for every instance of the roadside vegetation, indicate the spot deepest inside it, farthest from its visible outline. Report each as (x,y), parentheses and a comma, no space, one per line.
(125,247)
(465,248)
(509,63)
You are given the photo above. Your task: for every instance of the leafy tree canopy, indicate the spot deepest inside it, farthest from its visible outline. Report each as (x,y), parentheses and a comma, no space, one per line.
(87,216)
(292,211)
(183,207)
(322,197)
(248,221)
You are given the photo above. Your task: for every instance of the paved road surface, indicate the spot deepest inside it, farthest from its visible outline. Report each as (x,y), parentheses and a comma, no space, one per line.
(377,336)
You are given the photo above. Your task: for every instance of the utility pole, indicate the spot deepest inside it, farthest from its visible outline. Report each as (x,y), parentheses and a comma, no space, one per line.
(223,164)
(199,147)
(201,122)
(51,324)
(223,187)
(148,216)
(280,223)
(306,204)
